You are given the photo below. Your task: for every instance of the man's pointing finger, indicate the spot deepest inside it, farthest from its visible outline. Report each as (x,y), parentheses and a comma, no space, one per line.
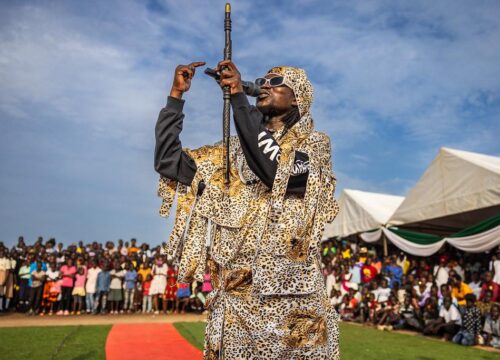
(197,64)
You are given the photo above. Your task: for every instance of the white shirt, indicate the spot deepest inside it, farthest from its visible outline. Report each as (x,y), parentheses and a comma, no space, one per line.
(52,275)
(116,283)
(382,294)
(90,285)
(452,314)
(441,275)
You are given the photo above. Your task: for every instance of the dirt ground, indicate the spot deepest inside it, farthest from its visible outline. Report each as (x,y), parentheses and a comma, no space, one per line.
(21,320)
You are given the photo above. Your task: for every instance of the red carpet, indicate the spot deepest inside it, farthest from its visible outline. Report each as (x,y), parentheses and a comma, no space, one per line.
(148,341)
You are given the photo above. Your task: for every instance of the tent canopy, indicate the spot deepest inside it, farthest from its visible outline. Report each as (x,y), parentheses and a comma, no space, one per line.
(455,183)
(361,211)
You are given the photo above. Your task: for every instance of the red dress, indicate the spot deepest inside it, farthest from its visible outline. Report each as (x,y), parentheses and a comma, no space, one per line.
(171,289)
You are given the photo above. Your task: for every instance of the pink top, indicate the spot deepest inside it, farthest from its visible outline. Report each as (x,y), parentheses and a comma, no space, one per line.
(80,280)
(67,270)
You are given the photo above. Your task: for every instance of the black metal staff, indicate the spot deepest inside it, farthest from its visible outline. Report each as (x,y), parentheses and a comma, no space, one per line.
(226,120)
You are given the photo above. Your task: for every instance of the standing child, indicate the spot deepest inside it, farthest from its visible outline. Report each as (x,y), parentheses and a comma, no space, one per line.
(129,287)
(37,279)
(170,298)
(158,283)
(79,290)
(51,289)
(138,294)
(102,289)
(24,289)
(115,288)
(68,272)
(146,299)
(91,286)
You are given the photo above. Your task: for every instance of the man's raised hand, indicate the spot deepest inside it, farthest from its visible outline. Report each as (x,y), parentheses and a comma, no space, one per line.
(229,76)
(182,78)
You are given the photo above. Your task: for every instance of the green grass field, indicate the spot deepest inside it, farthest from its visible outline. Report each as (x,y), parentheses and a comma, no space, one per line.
(57,342)
(87,342)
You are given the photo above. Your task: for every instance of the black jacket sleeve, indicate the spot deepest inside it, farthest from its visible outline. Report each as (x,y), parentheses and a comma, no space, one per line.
(170,160)
(260,148)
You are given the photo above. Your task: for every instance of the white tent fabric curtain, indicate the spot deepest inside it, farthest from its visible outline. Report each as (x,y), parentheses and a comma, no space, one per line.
(477,243)
(412,248)
(372,236)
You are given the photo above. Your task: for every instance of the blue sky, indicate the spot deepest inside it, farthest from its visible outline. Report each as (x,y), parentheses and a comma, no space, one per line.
(81,84)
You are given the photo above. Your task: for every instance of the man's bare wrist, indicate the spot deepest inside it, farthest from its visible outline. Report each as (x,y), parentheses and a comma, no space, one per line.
(176,93)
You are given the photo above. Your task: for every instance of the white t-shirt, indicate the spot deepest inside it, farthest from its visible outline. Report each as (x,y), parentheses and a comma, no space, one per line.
(90,285)
(382,294)
(441,275)
(52,275)
(116,283)
(452,314)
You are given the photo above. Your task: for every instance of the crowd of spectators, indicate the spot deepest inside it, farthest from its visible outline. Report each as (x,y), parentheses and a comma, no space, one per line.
(49,279)
(452,295)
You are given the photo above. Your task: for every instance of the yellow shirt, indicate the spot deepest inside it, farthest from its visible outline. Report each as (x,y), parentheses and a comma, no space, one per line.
(346,254)
(144,273)
(460,293)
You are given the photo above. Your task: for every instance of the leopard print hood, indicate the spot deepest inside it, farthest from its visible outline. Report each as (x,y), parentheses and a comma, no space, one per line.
(296,79)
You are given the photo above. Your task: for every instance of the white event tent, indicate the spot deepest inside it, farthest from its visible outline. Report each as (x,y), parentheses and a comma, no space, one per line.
(457,201)
(456,182)
(361,211)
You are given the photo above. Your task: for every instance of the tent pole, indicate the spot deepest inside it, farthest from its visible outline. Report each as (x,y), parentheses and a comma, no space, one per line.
(384,239)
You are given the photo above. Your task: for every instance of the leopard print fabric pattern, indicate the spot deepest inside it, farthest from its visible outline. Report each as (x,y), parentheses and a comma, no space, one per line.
(262,248)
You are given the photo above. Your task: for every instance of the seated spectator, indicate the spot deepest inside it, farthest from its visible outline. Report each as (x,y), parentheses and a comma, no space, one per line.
(347,308)
(492,327)
(430,311)
(489,284)
(389,315)
(183,295)
(394,271)
(475,284)
(440,271)
(471,323)
(459,289)
(382,293)
(368,272)
(407,316)
(448,323)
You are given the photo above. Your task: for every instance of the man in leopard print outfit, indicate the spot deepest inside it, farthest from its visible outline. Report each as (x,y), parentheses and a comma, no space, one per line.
(260,234)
